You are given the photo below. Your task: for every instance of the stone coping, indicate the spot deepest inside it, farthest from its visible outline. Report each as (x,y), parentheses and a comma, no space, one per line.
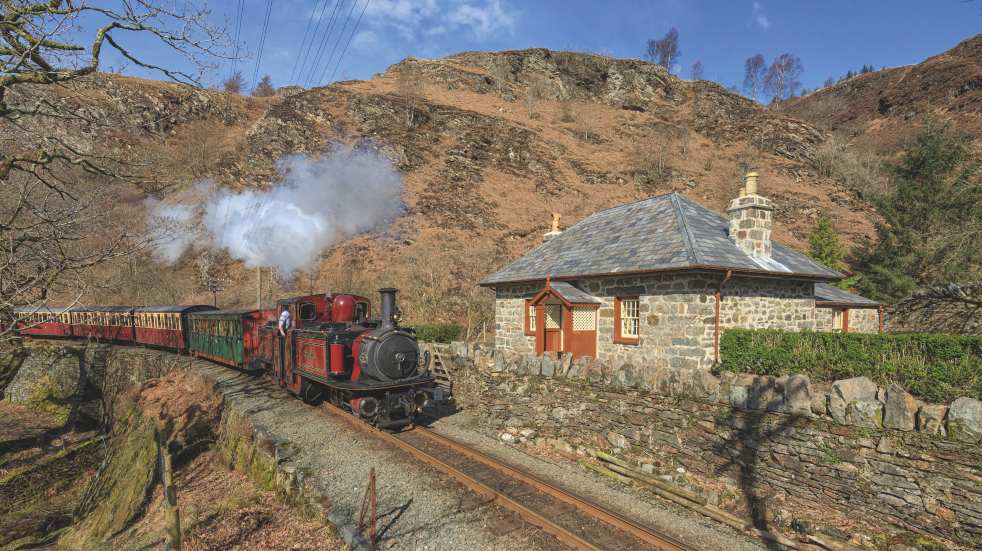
(857,401)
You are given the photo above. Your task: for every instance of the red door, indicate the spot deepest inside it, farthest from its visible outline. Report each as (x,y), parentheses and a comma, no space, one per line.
(553,327)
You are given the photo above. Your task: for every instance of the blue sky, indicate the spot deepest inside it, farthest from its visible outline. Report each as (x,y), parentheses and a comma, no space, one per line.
(830,37)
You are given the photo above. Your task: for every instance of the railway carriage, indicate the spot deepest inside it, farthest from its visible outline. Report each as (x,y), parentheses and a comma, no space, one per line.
(104,323)
(229,337)
(334,352)
(165,326)
(44,322)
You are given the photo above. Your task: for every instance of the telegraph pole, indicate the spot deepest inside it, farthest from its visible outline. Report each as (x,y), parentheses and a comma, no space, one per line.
(259,288)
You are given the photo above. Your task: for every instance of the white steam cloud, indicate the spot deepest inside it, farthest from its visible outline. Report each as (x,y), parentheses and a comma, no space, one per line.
(318,202)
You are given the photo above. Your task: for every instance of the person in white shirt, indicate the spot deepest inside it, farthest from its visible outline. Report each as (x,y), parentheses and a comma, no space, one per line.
(286,321)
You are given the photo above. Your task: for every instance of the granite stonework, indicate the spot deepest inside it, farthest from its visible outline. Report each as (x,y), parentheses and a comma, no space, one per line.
(851,446)
(677,314)
(861,320)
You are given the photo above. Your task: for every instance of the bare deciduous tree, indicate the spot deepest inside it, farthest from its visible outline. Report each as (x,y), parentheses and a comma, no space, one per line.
(697,70)
(234,84)
(753,75)
(50,180)
(213,272)
(536,90)
(781,79)
(665,51)
(409,83)
(265,88)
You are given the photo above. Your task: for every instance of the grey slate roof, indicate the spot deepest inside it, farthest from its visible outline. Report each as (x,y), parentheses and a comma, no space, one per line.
(573,294)
(828,293)
(664,232)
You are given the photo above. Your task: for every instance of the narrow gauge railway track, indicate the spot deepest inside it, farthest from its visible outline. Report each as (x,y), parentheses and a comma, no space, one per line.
(574,521)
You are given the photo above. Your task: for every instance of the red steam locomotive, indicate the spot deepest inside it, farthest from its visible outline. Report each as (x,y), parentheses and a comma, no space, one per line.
(333,352)
(371,367)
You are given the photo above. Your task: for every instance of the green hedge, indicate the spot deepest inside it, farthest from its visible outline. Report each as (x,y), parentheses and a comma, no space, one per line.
(938,368)
(438,332)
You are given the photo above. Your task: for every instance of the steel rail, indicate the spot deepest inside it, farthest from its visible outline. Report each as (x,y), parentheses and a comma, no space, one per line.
(562,534)
(655,539)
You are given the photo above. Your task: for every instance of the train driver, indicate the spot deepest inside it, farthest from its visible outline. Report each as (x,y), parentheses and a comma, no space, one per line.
(286,320)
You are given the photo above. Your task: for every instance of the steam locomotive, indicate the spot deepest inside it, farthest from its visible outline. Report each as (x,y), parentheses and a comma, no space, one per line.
(335,351)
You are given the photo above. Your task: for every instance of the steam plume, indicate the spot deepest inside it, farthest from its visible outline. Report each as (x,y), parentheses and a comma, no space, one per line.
(318,202)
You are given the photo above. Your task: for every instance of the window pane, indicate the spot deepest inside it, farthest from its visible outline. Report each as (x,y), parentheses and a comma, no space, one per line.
(630,320)
(531,316)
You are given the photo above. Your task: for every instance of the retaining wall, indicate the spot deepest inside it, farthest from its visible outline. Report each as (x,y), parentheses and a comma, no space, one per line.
(851,446)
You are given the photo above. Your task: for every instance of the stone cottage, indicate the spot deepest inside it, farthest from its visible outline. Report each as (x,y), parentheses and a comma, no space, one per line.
(654,283)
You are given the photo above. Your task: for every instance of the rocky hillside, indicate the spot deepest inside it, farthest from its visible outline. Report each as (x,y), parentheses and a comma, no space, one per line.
(878,110)
(489,144)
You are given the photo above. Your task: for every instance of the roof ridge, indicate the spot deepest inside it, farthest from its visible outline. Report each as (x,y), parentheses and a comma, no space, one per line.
(659,196)
(690,247)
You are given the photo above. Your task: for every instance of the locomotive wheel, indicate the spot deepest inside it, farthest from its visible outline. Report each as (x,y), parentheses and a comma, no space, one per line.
(311,393)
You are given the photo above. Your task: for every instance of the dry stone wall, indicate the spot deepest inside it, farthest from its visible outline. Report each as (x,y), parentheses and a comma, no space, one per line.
(850,446)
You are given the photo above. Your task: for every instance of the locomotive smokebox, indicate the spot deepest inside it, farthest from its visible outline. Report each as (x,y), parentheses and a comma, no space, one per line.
(388,307)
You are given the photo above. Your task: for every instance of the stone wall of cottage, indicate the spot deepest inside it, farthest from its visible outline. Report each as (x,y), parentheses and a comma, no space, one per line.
(677,312)
(864,320)
(783,448)
(509,320)
(861,320)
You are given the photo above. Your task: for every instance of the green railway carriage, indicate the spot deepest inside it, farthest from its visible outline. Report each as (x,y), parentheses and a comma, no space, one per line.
(230,337)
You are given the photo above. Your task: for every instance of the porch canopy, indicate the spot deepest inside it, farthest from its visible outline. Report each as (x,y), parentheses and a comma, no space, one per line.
(565,320)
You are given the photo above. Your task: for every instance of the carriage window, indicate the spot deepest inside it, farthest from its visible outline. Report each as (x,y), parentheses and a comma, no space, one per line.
(308,312)
(361,311)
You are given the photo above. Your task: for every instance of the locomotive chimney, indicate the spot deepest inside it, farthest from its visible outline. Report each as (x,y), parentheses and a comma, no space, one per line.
(388,307)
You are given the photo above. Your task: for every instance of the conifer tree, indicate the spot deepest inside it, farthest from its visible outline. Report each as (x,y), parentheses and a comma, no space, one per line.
(825,247)
(931,226)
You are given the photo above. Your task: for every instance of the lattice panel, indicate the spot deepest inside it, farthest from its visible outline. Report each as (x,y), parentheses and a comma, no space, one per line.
(584,319)
(554,314)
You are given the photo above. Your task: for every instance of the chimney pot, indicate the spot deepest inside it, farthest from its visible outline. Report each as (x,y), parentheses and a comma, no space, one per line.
(555,227)
(751,183)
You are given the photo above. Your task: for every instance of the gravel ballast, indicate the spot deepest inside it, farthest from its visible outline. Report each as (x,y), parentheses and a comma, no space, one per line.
(418,507)
(693,529)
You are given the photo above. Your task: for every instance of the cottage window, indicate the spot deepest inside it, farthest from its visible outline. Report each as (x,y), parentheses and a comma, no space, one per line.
(627,320)
(529,318)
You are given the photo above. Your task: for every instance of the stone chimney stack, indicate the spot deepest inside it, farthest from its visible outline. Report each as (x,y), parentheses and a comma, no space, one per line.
(751,219)
(555,228)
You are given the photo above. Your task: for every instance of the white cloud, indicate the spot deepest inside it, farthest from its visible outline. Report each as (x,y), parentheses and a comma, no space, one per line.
(416,18)
(759,17)
(484,20)
(366,40)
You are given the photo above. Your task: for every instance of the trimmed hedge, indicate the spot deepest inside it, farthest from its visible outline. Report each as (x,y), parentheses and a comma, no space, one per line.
(937,368)
(438,332)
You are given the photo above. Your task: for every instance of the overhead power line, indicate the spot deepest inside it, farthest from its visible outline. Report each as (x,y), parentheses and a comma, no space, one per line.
(240,9)
(313,38)
(350,36)
(340,36)
(262,42)
(324,41)
(306,32)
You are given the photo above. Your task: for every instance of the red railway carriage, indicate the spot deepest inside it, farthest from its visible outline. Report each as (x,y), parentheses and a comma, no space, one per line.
(106,323)
(165,326)
(44,321)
